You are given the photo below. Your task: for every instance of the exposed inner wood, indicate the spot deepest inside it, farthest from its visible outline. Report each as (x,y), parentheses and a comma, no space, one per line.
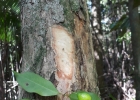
(63,46)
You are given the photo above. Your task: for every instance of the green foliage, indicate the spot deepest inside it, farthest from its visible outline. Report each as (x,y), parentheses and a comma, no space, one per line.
(122,23)
(74,95)
(113,98)
(126,37)
(9,19)
(34,83)
(6,36)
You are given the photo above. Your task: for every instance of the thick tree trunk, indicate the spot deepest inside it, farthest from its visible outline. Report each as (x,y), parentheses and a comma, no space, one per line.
(57,44)
(135,30)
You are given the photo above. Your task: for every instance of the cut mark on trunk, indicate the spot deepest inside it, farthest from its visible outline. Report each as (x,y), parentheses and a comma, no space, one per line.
(63,46)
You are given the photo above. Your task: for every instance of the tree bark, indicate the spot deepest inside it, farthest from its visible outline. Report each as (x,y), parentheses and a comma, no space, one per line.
(3,62)
(135,31)
(1,82)
(97,39)
(57,44)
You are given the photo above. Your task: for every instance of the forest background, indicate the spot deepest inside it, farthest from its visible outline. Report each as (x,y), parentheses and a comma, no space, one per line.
(114,28)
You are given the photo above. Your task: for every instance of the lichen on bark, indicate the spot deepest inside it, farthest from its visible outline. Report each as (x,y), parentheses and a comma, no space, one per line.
(68,15)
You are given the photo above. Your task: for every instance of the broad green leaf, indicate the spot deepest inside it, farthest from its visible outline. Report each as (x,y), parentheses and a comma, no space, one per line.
(32,82)
(25,99)
(94,96)
(74,95)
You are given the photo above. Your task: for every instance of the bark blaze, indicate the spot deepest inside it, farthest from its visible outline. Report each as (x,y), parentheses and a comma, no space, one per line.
(63,46)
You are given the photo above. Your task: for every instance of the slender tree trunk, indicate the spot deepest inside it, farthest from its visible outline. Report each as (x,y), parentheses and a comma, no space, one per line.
(3,56)
(57,44)
(1,83)
(97,38)
(135,31)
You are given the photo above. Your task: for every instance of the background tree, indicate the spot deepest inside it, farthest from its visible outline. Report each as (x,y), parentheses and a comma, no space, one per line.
(117,50)
(97,40)
(57,44)
(10,48)
(135,25)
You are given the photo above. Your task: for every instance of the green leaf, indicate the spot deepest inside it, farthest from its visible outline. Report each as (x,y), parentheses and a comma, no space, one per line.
(25,99)
(32,82)
(74,95)
(117,25)
(94,96)
(125,23)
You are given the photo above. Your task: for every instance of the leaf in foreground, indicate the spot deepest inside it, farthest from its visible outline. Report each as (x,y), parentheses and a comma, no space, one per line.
(32,82)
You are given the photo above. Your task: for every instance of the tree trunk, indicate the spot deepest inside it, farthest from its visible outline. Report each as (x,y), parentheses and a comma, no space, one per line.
(135,31)
(97,38)
(57,44)
(3,67)
(1,82)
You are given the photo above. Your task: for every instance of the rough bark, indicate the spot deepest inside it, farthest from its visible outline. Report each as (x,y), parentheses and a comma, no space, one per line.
(57,44)
(135,31)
